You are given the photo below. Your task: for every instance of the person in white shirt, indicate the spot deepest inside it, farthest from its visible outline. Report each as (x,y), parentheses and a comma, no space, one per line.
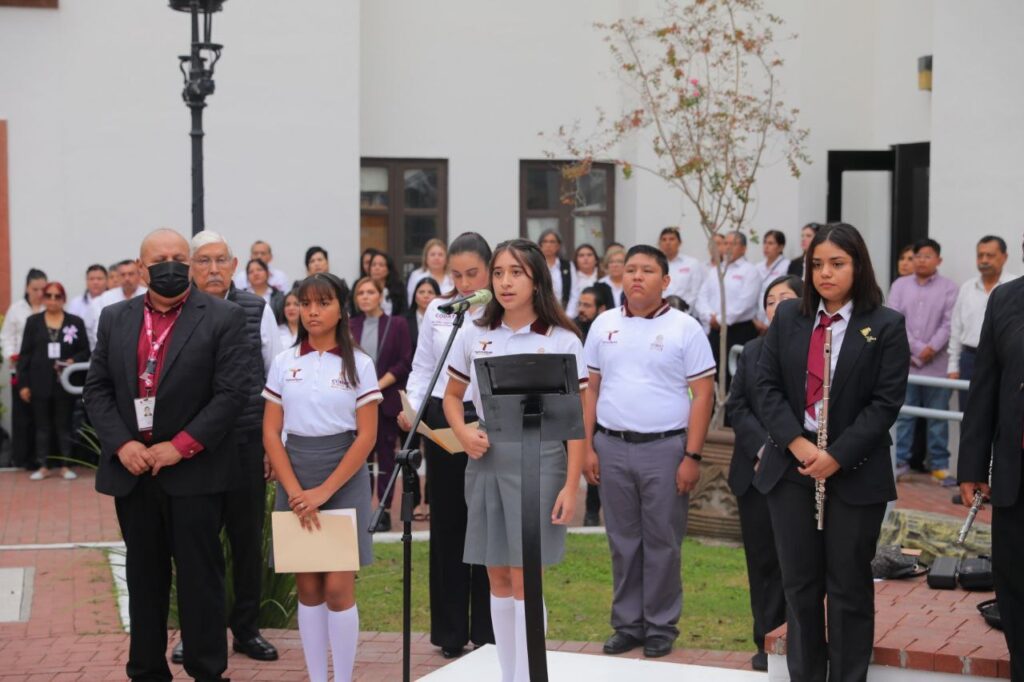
(459,593)
(614,267)
(257,274)
(84,306)
(969,309)
(435,258)
(11,334)
(771,268)
(742,288)
(685,272)
(323,394)
(260,250)
(523,317)
(289,329)
(585,262)
(563,273)
(645,435)
(131,286)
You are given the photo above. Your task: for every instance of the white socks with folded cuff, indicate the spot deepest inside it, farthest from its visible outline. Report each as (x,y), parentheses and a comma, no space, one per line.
(313,633)
(317,627)
(343,627)
(508,618)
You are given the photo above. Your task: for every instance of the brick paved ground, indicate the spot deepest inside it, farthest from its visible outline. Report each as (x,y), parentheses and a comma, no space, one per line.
(918,491)
(74,632)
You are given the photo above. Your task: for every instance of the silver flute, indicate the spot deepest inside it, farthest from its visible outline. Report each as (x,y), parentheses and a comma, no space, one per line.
(978,499)
(826,388)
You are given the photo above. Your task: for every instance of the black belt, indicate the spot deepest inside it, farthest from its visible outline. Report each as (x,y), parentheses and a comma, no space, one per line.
(634,437)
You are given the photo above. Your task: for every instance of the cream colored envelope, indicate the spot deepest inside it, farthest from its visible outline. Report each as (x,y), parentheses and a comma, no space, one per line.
(445,438)
(334,547)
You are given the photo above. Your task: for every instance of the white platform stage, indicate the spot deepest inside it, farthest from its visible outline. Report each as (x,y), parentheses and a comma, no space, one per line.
(482,665)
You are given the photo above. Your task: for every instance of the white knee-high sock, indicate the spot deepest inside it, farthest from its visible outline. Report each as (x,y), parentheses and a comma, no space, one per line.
(522,657)
(313,633)
(503,620)
(343,627)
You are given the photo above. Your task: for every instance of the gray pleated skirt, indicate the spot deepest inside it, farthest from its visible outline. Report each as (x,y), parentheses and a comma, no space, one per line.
(494,531)
(313,459)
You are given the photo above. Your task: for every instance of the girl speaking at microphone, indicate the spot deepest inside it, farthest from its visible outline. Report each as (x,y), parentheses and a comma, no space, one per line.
(523,317)
(323,393)
(459,602)
(869,361)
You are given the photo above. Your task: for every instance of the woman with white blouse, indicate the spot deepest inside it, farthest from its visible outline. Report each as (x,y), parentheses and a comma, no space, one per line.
(587,274)
(323,394)
(615,266)
(434,264)
(289,329)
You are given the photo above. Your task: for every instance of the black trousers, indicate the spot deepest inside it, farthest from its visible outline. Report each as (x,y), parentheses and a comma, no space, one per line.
(52,418)
(23,433)
(593,499)
(767,601)
(1007,558)
(460,593)
(835,563)
(244,509)
(157,528)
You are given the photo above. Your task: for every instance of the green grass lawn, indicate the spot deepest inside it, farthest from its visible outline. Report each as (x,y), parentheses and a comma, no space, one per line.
(578,592)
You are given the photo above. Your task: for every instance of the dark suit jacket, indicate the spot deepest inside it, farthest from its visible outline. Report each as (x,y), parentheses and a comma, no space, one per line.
(394,354)
(743,412)
(202,388)
(993,427)
(414,328)
(35,368)
(868,389)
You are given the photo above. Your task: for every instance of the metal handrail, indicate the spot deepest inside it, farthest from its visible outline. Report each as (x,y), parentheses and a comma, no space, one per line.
(65,377)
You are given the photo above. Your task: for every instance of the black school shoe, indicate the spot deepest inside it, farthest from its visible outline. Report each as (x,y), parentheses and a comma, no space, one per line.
(256,648)
(620,643)
(656,647)
(759,661)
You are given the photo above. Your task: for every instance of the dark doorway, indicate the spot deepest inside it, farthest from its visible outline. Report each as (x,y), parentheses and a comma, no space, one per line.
(909,165)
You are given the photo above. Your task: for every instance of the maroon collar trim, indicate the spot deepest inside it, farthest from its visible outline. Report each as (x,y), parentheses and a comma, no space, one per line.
(537,327)
(305,349)
(657,312)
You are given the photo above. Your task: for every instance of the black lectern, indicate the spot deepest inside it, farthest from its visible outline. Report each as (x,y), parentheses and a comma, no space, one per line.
(531,398)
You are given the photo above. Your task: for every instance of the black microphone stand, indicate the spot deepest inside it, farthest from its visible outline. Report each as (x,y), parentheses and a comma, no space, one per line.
(406,464)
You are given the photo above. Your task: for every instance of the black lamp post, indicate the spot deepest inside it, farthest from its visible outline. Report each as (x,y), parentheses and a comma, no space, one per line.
(198,75)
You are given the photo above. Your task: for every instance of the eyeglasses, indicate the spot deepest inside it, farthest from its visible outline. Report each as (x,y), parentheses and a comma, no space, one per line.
(204,262)
(53,297)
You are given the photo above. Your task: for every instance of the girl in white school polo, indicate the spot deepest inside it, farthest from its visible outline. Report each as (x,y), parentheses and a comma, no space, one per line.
(323,394)
(524,317)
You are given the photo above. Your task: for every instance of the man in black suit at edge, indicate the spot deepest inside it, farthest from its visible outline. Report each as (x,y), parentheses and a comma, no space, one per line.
(991,436)
(167,382)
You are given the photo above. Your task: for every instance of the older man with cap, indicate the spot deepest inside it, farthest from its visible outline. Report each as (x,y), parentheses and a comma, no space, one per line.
(168,380)
(245,499)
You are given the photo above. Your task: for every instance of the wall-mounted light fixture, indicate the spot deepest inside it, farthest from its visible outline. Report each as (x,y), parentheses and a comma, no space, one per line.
(924,73)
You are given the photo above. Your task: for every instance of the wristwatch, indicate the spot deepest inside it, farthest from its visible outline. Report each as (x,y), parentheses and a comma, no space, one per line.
(696,456)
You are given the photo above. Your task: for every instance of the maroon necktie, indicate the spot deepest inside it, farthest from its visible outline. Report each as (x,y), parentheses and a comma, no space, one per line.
(816,361)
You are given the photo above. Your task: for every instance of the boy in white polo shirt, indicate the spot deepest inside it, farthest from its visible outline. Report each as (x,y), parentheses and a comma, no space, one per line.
(644,436)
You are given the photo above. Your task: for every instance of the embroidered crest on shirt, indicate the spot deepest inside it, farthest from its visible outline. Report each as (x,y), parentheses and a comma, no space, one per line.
(659,343)
(70,334)
(484,345)
(340,383)
(611,336)
(294,374)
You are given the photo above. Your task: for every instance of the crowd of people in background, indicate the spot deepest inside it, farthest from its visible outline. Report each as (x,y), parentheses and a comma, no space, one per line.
(392,319)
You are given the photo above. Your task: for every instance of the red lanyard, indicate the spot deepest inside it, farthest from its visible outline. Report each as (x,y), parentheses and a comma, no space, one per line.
(149,374)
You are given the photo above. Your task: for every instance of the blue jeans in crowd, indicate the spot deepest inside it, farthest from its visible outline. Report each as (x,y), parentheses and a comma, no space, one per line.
(938,429)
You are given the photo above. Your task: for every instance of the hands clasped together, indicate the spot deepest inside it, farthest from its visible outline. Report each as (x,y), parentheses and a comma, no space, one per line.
(815,463)
(138,458)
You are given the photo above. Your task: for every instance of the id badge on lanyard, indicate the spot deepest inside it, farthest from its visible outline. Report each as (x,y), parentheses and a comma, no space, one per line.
(53,350)
(145,407)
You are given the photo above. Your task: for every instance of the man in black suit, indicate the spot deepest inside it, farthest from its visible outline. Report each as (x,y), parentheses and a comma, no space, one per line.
(167,382)
(991,436)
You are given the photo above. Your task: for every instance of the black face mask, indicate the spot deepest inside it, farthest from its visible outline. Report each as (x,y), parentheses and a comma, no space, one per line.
(169,278)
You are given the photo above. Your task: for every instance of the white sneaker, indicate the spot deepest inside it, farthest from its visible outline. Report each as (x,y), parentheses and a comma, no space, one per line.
(69,475)
(37,475)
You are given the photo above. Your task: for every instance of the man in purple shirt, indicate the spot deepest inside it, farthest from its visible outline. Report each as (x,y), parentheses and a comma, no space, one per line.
(926,300)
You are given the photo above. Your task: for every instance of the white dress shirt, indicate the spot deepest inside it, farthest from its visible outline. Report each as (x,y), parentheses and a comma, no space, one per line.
(968,314)
(418,276)
(686,277)
(769,273)
(434,330)
(742,286)
(556,278)
(85,307)
(112,296)
(13,328)
(838,334)
(580,282)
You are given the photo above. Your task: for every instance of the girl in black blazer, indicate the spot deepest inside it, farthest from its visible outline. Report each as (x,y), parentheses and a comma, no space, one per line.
(53,340)
(870,361)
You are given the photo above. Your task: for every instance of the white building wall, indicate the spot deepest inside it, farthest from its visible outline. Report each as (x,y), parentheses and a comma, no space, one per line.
(98,134)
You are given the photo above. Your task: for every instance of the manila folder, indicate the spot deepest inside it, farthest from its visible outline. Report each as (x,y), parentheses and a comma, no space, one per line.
(334,547)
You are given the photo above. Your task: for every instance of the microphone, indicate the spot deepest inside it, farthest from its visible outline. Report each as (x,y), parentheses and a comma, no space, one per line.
(464,303)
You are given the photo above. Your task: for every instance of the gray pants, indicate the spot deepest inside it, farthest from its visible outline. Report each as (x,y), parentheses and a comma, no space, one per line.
(645,518)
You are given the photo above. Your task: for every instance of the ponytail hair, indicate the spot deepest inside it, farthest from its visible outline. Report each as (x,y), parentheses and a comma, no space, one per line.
(545,305)
(33,275)
(325,286)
